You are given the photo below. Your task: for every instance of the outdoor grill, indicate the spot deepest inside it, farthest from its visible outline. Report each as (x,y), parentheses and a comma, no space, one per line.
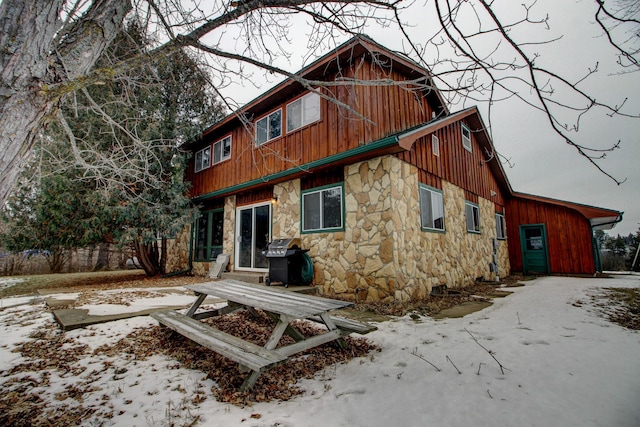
(288,263)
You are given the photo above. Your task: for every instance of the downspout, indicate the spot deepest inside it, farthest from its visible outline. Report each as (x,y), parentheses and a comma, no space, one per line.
(188,270)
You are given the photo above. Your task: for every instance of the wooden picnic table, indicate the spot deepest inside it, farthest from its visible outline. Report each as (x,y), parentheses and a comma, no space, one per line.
(282,306)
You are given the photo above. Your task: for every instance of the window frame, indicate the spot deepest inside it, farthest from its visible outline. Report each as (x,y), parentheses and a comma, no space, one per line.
(267,118)
(474,208)
(213,150)
(466,140)
(196,162)
(208,247)
(501,227)
(301,100)
(432,191)
(320,190)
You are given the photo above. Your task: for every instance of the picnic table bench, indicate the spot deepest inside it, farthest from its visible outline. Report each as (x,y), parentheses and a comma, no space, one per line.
(282,306)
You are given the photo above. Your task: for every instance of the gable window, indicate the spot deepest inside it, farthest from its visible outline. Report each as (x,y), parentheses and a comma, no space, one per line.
(222,150)
(203,159)
(435,145)
(466,137)
(269,127)
(431,208)
(322,209)
(501,227)
(472,212)
(303,111)
(209,236)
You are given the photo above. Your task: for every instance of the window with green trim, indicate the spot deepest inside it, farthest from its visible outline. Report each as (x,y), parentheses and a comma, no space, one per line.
(322,209)
(209,237)
(473,217)
(431,208)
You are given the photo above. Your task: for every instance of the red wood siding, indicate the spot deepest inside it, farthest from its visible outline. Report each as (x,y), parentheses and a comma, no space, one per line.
(255,196)
(389,109)
(569,235)
(455,164)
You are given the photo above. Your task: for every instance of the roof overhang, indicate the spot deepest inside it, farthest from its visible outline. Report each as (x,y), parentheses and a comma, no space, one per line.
(599,218)
(474,121)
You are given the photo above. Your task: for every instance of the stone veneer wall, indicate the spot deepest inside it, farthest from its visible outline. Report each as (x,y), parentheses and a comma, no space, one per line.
(383,254)
(454,258)
(229,229)
(178,251)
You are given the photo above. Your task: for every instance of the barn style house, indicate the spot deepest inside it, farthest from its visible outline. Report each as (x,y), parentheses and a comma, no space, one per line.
(391,193)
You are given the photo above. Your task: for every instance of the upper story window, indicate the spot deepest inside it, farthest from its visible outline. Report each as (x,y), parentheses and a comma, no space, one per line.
(466,137)
(303,111)
(501,227)
(269,127)
(431,208)
(473,217)
(435,145)
(222,150)
(322,209)
(203,159)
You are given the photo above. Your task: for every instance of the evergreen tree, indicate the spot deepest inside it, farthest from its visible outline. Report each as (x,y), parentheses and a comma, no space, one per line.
(50,214)
(132,124)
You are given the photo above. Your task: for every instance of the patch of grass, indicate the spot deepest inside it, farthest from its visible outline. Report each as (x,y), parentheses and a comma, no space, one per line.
(98,280)
(620,306)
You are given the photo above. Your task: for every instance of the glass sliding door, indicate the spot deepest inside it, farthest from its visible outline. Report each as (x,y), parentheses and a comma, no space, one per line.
(253,233)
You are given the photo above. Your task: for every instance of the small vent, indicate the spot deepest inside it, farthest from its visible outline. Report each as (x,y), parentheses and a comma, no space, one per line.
(435,145)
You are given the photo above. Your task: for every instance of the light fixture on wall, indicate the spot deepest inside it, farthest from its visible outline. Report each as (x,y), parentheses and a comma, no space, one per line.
(493,193)
(274,200)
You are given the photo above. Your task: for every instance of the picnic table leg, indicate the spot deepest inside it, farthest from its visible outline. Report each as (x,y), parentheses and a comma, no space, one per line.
(281,326)
(196,305)
(291,331)
(332,327)
(250,381)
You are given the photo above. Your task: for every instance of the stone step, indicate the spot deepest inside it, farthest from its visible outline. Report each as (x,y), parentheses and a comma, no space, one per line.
(245,276)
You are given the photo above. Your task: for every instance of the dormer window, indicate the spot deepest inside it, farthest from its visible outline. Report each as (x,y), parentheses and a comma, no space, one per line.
(269,127)
(303,111)
(466,137)
(203,159)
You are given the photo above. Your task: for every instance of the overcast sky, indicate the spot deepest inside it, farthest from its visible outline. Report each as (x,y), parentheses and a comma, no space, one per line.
(541,163)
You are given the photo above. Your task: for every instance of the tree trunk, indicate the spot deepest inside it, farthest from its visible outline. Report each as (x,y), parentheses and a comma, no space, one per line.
(148,257)
(163,256)
(33,62)
(56,260)
(103,257)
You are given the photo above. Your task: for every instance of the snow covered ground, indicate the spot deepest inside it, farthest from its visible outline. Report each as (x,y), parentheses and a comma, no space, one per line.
(566,365)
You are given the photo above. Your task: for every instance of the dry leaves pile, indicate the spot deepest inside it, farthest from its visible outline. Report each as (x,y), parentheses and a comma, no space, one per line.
(49,352)
(278,383)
